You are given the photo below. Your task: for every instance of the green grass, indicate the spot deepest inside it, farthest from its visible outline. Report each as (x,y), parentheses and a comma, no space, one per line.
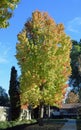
(4,125)
(8,124)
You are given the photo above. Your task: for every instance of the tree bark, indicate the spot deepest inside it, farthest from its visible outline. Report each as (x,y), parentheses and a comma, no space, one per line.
(41,114)
(49,111)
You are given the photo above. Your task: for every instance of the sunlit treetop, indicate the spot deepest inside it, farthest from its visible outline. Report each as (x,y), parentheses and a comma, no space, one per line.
(6,10)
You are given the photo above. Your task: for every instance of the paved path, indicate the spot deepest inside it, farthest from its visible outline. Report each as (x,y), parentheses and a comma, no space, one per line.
(70,125)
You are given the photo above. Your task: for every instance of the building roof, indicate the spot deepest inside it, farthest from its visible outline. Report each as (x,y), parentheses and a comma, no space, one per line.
(71,105)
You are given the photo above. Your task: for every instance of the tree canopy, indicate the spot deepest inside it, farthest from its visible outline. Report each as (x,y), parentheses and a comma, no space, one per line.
(72,97)
(75,78)
(6,10)
(43,54)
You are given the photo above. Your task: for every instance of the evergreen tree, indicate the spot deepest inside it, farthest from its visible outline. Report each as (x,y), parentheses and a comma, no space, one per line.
(14,94)
(75,78)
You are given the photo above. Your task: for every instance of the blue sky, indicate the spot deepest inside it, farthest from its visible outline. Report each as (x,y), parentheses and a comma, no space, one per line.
(67,12)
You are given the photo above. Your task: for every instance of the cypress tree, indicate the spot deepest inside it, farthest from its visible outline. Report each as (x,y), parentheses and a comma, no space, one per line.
(14,94)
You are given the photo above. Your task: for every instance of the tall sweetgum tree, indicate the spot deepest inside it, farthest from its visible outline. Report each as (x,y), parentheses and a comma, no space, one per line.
(43,54)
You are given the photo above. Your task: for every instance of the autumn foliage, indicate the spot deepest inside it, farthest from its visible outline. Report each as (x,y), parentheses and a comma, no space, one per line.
(43,54)
(6,11)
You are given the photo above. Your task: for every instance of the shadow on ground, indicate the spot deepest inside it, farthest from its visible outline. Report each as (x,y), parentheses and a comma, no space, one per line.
(78,123)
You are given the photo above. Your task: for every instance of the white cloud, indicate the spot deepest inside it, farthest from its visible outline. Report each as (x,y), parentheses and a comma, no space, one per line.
(74,25)
(3,60)
(4,53)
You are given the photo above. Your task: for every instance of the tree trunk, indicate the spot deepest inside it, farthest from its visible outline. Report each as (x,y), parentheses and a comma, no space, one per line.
(41,108)
(49,111)
(41,111)
(41,114)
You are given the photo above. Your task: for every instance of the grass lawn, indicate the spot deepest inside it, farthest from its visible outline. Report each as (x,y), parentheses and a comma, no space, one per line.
(10,124)
(49,124)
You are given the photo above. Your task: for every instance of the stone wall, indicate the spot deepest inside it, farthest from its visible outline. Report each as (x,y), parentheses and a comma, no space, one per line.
(4,113)
(6,116)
